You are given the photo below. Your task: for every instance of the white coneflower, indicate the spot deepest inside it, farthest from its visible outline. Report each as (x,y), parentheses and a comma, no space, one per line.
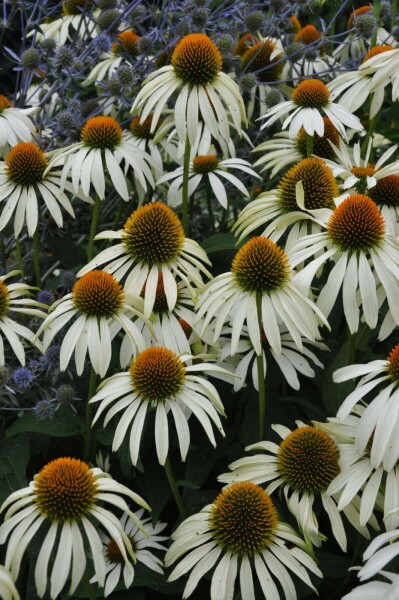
(12,301)
(205,92)
(240,531)
(281,151)
(355,87)
(379,423)
(365,254)
(358,476)
(260,276)
(15,125)
(303,465)
(214,171)
(67,496)
(309,101)
(26,178)
(152,242)
(357,172)
(79,15)
(159,378)
(124,46)
(115,566)
(280,209)
(290,361)
(102,148)
(102,309)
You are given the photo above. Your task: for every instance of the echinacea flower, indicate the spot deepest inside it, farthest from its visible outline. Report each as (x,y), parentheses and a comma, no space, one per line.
(279,208)
(281,151)
(303,465)
(26,177)
(358,475)
(159,378)
(240,531)
(78,16)
(102,308)
(260,274)
(102,147)
(66,496)
(365,256)
(12,301)
(355,87)
(124,47)
(15,125)
(379,423)
(8,591)
(142,544)
(376,557)
(309,101)
(152,242)
(290,361)
(214,171)
(205,92)
(359,173)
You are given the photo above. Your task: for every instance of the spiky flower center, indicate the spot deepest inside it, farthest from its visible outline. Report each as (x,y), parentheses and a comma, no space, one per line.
(393,363)
(153,234)
(4,299)
(205,164)
(65,489)
(75,7)
(243,519)
(356,224)
(377,50)
(319,185)
(101,132)
(386,191)
(143,130)
(307,35)
(113,553)
(363,171)
(25,164)
(311,93)
(307,460)
(157,374)
(244,43)
(257,60)
(261,266)
(321,145)
(4,103)
(197,60)
(126,42)
(98,294)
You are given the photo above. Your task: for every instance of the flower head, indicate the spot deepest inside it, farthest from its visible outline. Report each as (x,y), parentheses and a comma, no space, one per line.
(159,378)
(67,496)
(152,242)
(205,91)
(239,531)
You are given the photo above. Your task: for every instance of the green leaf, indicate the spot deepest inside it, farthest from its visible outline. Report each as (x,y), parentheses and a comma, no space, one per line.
(63,425)
(14,458)
(187,484)
(220,242)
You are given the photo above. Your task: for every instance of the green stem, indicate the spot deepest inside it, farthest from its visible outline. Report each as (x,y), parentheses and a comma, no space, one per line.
(186,166)
(394,10)
(376,14)
(209,205)
(261,374)
(89,431)
(93,228)
(18,252)
(88,588)
(174,488)
(372,124)
(36,258)
(309,145)
(352,348)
